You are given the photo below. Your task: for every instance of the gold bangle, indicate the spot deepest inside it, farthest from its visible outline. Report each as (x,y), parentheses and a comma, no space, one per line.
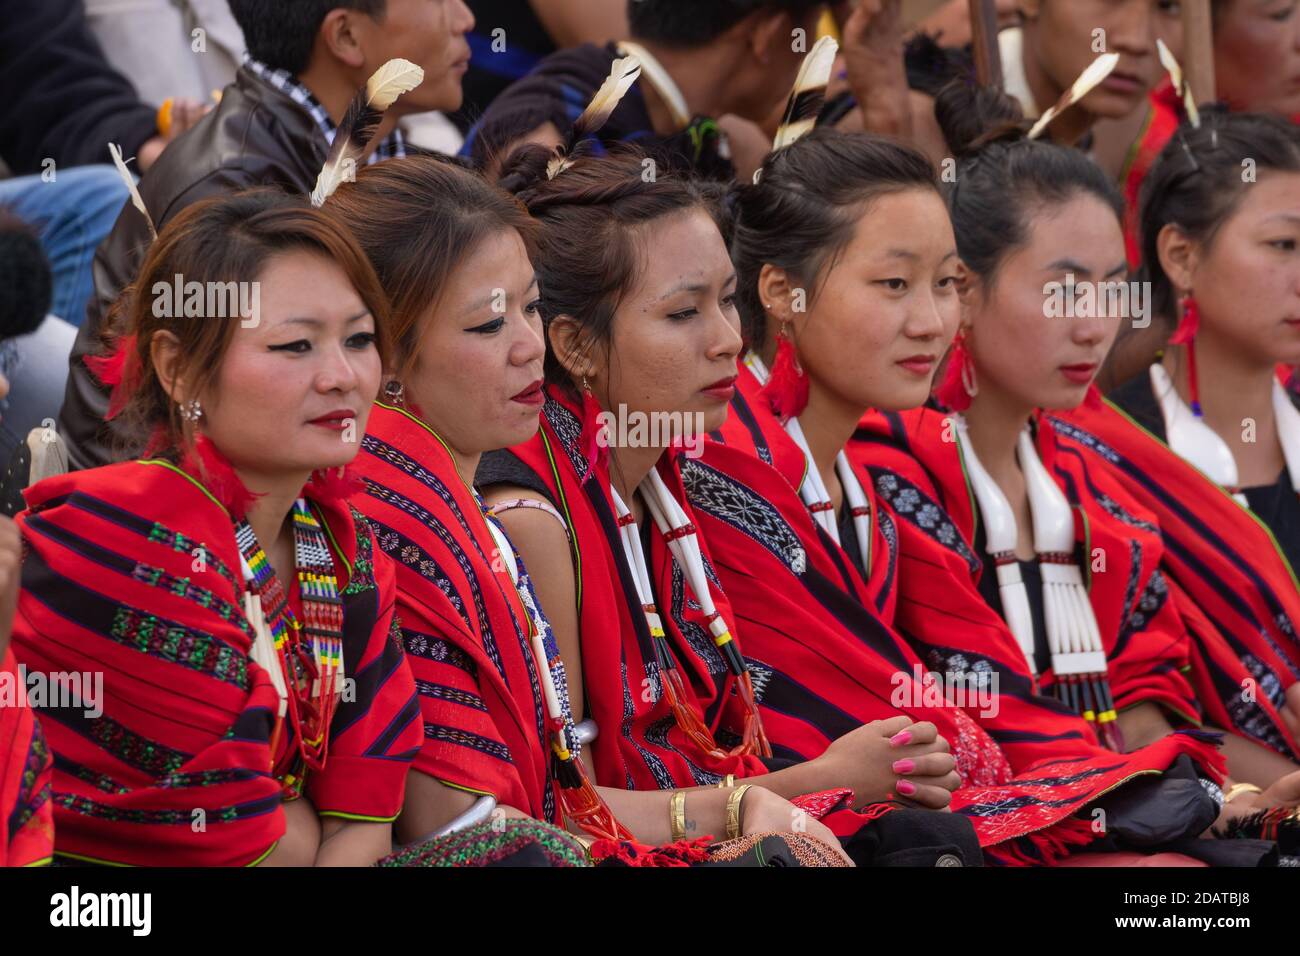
(677,815)
(733,811)
(1238,788)
(728,782)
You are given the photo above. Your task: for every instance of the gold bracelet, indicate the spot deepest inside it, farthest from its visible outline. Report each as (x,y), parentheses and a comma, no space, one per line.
(1238,788)
(733,811)
(677,815)
(728,782)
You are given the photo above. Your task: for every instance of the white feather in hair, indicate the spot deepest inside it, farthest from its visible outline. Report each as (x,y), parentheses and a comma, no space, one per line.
(361,124)
(1088,80)
(622,74)
(136,199)
(809,93)
(1181,86)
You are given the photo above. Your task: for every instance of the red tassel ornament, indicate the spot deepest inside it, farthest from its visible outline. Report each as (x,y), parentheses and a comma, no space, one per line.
(594,447)
(1185,335)
(958,386)
(219,477)
(119,370)
(786,390)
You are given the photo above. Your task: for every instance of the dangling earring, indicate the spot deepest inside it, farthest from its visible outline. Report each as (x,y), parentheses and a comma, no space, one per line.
(191,411)
(959,385)
(1185,335)
(593,448)
(786,390)
(395,393)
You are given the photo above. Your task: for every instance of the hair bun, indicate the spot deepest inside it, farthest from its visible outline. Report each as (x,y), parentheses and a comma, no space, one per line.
(974,117)
(525,168)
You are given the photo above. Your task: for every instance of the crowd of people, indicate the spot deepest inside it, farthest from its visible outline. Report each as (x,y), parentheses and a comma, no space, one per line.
(726,433)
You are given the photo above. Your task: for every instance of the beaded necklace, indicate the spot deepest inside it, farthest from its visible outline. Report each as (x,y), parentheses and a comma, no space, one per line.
(581,802)
(304,658)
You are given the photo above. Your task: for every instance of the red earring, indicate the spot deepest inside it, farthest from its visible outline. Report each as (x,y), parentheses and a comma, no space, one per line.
(1185,335)
(959,385)
(786,390)
(593,448)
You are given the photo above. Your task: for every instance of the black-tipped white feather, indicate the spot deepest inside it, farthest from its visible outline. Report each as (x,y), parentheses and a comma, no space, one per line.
(622,74)
(361,124)
(809,93)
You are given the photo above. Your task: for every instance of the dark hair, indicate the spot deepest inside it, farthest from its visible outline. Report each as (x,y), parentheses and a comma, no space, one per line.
(26,287)
(930,66)
(224,239)
(805,208)
(676,23)
(281,33)
(418,219)
(588,255)
(1196,183)
(1002,177)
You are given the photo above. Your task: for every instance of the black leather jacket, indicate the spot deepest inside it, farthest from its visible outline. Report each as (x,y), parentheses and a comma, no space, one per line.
(256,136)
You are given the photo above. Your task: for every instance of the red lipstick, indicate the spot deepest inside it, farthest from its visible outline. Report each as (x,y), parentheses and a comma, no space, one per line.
(724,389)
(531,396)
(335,420)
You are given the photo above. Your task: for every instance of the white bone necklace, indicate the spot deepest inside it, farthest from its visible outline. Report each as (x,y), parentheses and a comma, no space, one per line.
(813,490)
(1073,637)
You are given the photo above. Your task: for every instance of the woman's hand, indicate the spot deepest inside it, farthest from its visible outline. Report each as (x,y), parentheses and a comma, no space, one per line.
(762,811)
(892,756)
(1285,792)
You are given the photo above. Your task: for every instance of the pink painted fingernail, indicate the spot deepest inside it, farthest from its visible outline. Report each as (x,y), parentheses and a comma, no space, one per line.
(904,766)
(906,788)
(901,738)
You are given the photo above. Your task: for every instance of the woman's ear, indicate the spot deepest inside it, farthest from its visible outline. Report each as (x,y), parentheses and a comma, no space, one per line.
(164,354)
(565,335)
(782,298)
(1178,257)
(970,287)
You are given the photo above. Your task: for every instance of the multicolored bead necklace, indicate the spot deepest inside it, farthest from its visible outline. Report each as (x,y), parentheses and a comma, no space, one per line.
(304,658)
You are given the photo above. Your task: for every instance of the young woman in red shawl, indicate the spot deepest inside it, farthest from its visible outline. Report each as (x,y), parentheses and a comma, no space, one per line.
(643,313)
(843,248)
(256,704)
(1208,438)
(26,810)
(1045,536)
(468,380)
(1256,62)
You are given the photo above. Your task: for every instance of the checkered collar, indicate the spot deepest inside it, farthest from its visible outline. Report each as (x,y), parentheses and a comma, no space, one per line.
(393,146)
